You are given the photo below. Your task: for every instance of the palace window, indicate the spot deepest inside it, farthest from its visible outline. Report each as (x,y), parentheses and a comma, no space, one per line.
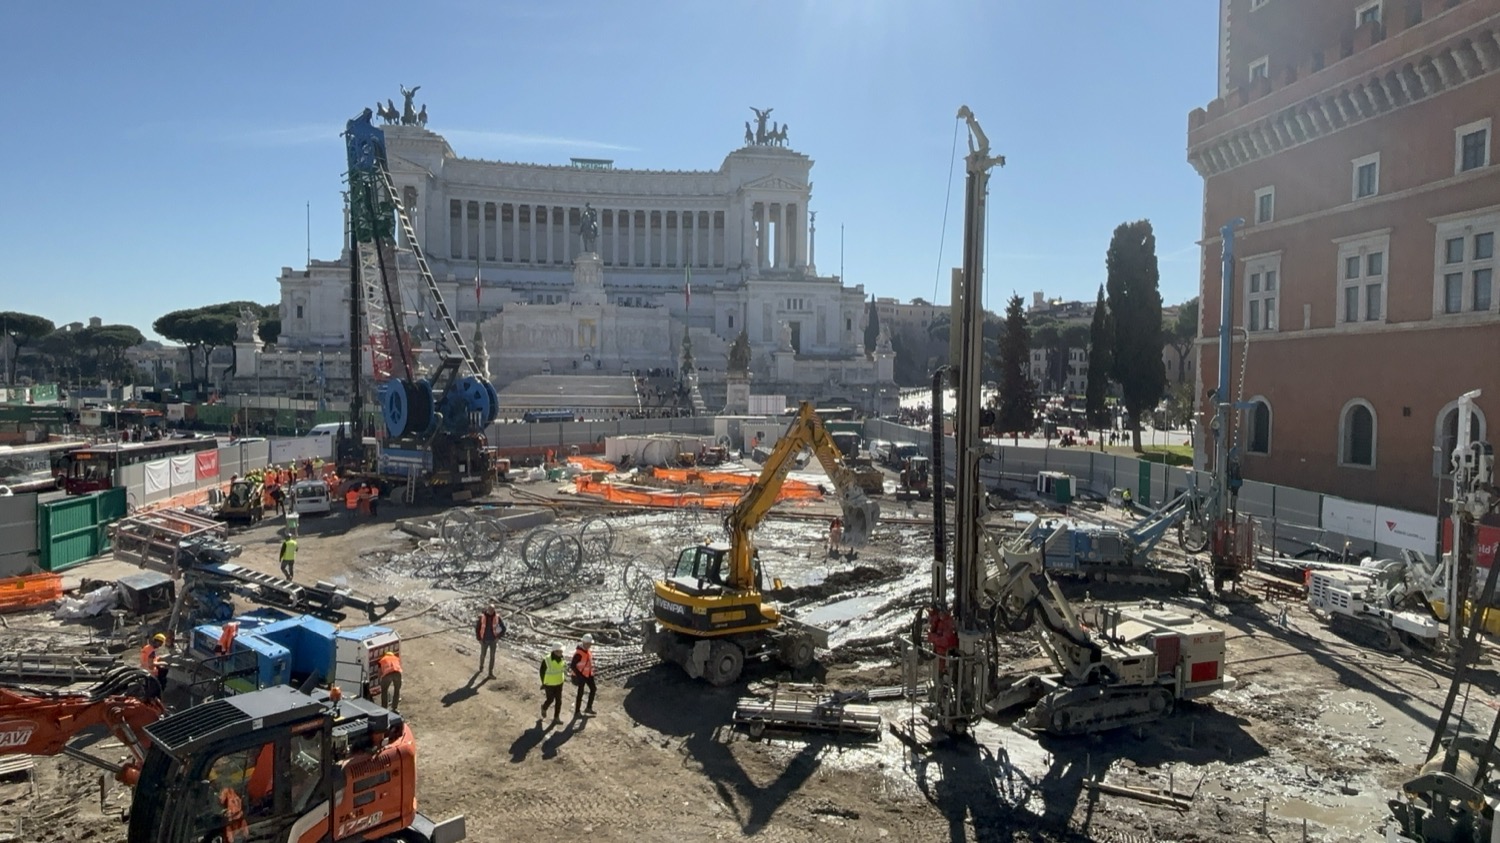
(1260,69)
(1258,426)
(1265,205)
(1357,434)
(1262,285)
(1362,278)
(1471,146)
(1368,13)
(1367,175)
(1466,266)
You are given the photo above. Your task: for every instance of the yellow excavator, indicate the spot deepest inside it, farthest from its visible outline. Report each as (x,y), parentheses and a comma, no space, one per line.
(709,613)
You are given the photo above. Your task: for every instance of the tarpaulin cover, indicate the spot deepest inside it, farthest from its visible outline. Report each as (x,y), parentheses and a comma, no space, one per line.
(158,477)
(184,471)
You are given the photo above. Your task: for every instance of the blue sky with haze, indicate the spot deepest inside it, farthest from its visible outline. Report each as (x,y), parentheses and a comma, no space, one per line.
(161,155)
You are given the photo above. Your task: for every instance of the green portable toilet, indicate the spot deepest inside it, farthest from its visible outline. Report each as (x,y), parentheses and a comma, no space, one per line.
(1063,487)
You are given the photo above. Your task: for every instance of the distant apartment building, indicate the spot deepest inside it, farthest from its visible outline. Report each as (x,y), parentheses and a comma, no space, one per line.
(914,316)
(1355,138)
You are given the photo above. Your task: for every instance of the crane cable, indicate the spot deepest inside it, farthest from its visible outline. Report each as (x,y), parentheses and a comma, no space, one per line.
(937,274)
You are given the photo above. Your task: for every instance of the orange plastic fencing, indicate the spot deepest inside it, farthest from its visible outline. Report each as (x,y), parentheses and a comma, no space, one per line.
(591,464)
(790,489)
(25,592)
(639,496)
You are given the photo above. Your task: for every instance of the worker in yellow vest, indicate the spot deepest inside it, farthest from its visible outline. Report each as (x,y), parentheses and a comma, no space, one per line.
(553,672)
(288,556)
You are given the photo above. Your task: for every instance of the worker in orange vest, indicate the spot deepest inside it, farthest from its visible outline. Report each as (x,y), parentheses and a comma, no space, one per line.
(389,669)
(488,631)
(236,830)
(151,659)
(226,638)
(351,498)
(583,673)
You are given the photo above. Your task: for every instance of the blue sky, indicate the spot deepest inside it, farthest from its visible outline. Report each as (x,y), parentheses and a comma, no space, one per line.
(162,155)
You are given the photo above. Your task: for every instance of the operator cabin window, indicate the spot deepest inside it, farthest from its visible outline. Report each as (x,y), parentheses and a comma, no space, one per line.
(1262,285)
(1466,266)
(1472,146)
(1265,205)
(1367,176)
(1260,69)
(1362,279)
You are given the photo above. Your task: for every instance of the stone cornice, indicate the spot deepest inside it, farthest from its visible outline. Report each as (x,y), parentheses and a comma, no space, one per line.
(1406,79)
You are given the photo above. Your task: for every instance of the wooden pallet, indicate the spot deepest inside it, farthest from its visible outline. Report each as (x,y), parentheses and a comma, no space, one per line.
(804,710)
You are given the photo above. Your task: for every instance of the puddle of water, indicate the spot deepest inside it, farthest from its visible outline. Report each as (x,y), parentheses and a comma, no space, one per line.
(842,610)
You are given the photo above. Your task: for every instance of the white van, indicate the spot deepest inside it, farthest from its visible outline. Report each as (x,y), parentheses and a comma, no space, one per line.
(310,497)
(328,429)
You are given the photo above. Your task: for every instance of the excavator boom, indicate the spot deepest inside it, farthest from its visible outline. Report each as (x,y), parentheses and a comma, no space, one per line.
(40,722)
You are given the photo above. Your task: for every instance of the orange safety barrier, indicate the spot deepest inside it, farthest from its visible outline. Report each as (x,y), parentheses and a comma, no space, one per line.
(794,489)
(591,464)
(639,496)
(25,592)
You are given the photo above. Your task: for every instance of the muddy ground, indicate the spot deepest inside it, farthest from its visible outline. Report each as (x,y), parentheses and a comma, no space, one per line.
(1318,730)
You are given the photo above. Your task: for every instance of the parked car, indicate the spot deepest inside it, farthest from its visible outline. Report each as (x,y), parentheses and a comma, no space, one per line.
(900,452)
(310,497)
(879,448)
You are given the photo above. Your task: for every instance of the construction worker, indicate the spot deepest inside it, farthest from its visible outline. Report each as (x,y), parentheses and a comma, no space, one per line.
(835,535)
(389,668)
(351,498)
(288,556)
(583,673)
(236,830)
(553,671)
(151,659)
(488,631)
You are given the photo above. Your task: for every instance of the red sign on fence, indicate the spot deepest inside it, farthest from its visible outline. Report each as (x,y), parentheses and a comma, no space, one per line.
(1487,540)
(208,464)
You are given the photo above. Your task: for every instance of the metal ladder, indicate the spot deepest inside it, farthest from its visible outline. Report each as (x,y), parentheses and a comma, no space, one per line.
(453,337)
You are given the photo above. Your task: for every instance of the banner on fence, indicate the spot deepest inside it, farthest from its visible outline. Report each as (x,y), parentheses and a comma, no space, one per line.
(207,465)
(1411,530)
(1355,520)
(1487,540)
(158,477)
(184,472)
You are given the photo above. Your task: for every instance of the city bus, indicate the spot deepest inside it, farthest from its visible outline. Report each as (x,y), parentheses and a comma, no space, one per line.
(93,469)
(549,416)
(35,468)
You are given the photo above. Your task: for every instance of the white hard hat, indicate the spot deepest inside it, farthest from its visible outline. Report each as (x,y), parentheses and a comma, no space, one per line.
(588,639)
(557,648)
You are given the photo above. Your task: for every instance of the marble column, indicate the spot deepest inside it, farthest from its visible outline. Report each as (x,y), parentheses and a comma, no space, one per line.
(483,230)
(531,234)
(783,245)
(630,243)
(463,227)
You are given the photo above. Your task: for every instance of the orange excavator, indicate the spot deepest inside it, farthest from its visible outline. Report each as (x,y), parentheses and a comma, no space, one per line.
(276,765)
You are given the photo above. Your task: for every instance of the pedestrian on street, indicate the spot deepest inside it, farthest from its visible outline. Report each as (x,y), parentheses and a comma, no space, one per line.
(288,556)
(553,672)
(389,668)
(583,673)
(488,631)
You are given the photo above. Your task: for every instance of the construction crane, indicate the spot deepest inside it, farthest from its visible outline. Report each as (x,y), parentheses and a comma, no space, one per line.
(710,614)
(434,421)
(1452,798)
(294,766)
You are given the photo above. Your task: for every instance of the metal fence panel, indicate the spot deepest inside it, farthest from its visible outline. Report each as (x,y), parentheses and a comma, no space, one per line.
(18,535)
(71,530)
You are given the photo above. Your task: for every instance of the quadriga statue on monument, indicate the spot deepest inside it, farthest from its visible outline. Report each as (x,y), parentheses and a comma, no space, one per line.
(408,113)
(588,227)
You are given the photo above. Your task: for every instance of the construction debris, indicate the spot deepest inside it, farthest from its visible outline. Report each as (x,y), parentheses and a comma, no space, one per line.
(809,708)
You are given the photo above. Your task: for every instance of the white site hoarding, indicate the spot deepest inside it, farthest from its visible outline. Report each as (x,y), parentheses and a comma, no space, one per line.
(1355,520)
(767,405)
(1410,530)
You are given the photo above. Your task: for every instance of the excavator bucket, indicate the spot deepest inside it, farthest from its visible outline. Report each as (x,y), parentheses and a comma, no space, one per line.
(860,515)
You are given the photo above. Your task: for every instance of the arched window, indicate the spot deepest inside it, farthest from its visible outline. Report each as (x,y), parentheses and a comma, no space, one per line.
(1445,436)
(1357,434)
(1258,426)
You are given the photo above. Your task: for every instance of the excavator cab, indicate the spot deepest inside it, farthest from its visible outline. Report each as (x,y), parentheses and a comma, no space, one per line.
(278,762)
(704,569)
